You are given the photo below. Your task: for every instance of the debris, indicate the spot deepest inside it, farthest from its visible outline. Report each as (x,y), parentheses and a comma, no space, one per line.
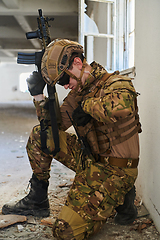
(48,221)
(62,185)
(65,185)
(139,226)
(31,220)
(32,229)
(6,220)
(20,228)
(142,211)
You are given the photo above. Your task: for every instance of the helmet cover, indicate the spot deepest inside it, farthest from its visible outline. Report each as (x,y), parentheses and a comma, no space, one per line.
(56,59)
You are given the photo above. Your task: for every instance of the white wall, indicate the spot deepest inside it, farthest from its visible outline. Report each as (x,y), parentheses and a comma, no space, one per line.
(147,82)
(9,78)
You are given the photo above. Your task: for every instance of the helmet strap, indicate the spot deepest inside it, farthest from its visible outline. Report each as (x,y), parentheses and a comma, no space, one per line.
(71,75)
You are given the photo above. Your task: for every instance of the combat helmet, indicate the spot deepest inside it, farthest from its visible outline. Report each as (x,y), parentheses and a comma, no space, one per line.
(55,61)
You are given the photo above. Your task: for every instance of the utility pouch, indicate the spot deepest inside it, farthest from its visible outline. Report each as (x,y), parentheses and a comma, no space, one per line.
(89,132)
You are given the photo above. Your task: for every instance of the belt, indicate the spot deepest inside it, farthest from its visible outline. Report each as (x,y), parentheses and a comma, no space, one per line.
(121,162)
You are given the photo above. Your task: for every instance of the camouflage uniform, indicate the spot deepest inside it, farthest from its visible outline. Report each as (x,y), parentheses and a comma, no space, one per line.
(100,187)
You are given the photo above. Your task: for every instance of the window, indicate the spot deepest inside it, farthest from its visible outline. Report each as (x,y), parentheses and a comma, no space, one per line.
(106,30)
(125,34)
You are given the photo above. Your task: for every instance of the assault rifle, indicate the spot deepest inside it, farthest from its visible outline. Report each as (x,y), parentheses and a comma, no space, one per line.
(86,151)
(43,34)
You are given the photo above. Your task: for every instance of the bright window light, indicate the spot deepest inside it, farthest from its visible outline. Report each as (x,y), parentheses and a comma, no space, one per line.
(22,82)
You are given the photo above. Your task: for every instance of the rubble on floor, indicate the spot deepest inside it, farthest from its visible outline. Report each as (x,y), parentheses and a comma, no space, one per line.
(16,124)
(41,229)
(7,220)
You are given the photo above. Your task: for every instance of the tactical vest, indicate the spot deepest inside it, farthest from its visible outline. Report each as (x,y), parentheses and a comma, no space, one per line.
(102,136)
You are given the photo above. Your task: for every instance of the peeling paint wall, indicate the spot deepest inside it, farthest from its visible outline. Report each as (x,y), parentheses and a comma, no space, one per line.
(147,82)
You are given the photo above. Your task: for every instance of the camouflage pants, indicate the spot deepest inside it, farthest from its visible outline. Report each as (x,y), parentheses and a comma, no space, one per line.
(95,192)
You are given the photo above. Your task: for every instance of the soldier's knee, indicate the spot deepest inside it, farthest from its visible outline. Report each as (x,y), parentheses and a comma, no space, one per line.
(62,230)
(69,225)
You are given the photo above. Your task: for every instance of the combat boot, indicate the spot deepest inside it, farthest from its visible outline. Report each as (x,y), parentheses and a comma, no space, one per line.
(36,203)
(127,213)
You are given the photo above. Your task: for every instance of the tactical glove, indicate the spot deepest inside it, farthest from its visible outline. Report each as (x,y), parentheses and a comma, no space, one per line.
(35,83)
(80,117)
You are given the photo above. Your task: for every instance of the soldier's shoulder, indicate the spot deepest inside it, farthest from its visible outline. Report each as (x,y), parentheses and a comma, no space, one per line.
(119,82)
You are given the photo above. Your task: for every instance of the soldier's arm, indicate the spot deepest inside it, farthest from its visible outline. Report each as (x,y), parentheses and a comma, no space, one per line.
(42,111)
(68,105)
(111,107)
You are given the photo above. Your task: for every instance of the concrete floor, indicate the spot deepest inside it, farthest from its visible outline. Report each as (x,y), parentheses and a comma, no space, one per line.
(16,123)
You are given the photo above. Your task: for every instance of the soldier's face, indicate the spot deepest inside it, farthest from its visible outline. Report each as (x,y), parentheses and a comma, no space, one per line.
(73,82)
(75,69)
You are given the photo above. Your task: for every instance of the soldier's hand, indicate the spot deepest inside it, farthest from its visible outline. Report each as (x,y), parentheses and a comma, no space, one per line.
(80,117)
(35,83)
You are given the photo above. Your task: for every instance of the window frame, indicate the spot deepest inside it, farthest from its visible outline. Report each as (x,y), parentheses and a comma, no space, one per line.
(123,36)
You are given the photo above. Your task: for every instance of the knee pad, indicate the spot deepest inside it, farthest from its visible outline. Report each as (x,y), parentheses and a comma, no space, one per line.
(69,225)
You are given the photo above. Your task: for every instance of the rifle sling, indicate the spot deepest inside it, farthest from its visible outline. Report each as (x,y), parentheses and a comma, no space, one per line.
(43,134)
(54,125)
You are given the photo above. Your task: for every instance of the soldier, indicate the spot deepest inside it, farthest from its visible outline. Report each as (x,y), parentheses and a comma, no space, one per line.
(104,109)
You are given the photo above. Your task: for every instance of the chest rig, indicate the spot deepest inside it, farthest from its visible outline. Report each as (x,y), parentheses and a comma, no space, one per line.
(102,136)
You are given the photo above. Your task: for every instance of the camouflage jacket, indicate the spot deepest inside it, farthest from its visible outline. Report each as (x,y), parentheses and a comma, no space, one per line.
(111,101)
